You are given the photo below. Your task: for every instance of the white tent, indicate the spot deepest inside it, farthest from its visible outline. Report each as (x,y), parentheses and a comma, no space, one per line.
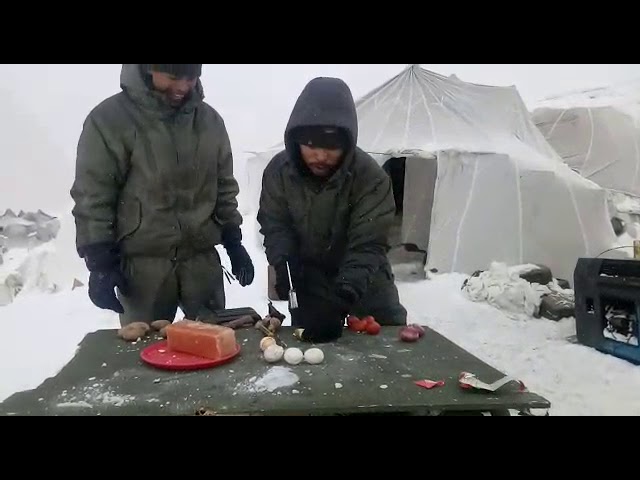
(481,182)
(597,133)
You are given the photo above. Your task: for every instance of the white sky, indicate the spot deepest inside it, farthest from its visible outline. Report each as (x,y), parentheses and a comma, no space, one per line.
(44,105)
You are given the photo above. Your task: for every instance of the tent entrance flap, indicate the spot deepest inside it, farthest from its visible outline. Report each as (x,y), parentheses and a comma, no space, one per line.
(416,184)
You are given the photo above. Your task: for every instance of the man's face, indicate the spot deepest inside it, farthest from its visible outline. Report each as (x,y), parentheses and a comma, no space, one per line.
(175,90)
(321,161)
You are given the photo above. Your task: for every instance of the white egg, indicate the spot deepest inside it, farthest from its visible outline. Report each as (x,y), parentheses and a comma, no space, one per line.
(273,353)
(266,342)
(314,356)
(293,356)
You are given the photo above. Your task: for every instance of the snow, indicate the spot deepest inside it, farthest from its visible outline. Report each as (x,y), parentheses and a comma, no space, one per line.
(41,332)
(275,379)
(49,267)
(625,203)
(90,395)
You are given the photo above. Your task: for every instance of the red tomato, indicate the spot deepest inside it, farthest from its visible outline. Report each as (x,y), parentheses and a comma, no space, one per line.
(360,326)
(369,319)
(351,322)
(373,328)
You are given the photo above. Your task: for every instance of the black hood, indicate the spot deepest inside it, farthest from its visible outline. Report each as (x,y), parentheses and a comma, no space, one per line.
(324,102)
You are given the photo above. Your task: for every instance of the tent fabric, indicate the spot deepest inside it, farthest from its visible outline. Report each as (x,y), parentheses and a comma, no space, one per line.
(426,112)
(501,191)
(513,215)
(597,133)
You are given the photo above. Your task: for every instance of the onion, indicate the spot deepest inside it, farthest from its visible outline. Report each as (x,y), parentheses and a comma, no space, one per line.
(409,334)
(419,328)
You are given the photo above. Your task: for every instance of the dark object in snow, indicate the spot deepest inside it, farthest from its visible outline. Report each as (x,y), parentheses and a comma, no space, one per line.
(473,275)
(619,226)
(564,284)
(557,306)
(541,275)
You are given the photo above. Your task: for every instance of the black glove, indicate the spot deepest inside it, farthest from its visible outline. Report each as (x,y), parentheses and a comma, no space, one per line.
(346,297)
(282,286)
(321,319)
(103,262)
(241,264)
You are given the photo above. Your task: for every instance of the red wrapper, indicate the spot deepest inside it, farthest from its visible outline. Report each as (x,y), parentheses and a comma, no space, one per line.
(429,384)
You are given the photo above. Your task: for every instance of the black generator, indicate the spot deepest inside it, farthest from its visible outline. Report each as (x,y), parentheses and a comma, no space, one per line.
(607,294)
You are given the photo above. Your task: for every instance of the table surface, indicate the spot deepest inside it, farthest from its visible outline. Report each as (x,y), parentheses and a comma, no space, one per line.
(361,374)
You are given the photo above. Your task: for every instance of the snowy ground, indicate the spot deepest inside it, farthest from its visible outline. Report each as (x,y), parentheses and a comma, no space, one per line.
(42,330)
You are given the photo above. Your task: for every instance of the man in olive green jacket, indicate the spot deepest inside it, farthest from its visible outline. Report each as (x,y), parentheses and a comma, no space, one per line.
(326,208)
(154,194)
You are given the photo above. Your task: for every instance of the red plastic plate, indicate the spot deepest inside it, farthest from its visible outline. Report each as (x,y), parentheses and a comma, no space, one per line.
(158,355)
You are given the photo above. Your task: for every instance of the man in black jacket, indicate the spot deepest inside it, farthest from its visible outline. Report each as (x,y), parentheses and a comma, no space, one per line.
(326,208)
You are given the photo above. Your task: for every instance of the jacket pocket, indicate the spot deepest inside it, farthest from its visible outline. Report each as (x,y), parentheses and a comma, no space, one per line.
(207,237)
(129,218)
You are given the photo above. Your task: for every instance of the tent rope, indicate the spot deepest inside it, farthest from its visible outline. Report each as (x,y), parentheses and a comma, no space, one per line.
(616,248)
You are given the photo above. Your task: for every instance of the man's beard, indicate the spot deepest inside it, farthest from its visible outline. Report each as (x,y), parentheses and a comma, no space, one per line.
(174,100)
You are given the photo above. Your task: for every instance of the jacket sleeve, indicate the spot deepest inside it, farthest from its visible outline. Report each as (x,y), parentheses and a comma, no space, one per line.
(275,220)
(96,187)
(371,220)
(226,212)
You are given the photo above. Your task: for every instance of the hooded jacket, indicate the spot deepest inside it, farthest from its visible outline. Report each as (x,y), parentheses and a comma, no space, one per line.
(156,180)
(341,224)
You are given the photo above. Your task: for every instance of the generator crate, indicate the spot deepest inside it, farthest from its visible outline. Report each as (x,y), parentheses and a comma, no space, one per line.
(607,295)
